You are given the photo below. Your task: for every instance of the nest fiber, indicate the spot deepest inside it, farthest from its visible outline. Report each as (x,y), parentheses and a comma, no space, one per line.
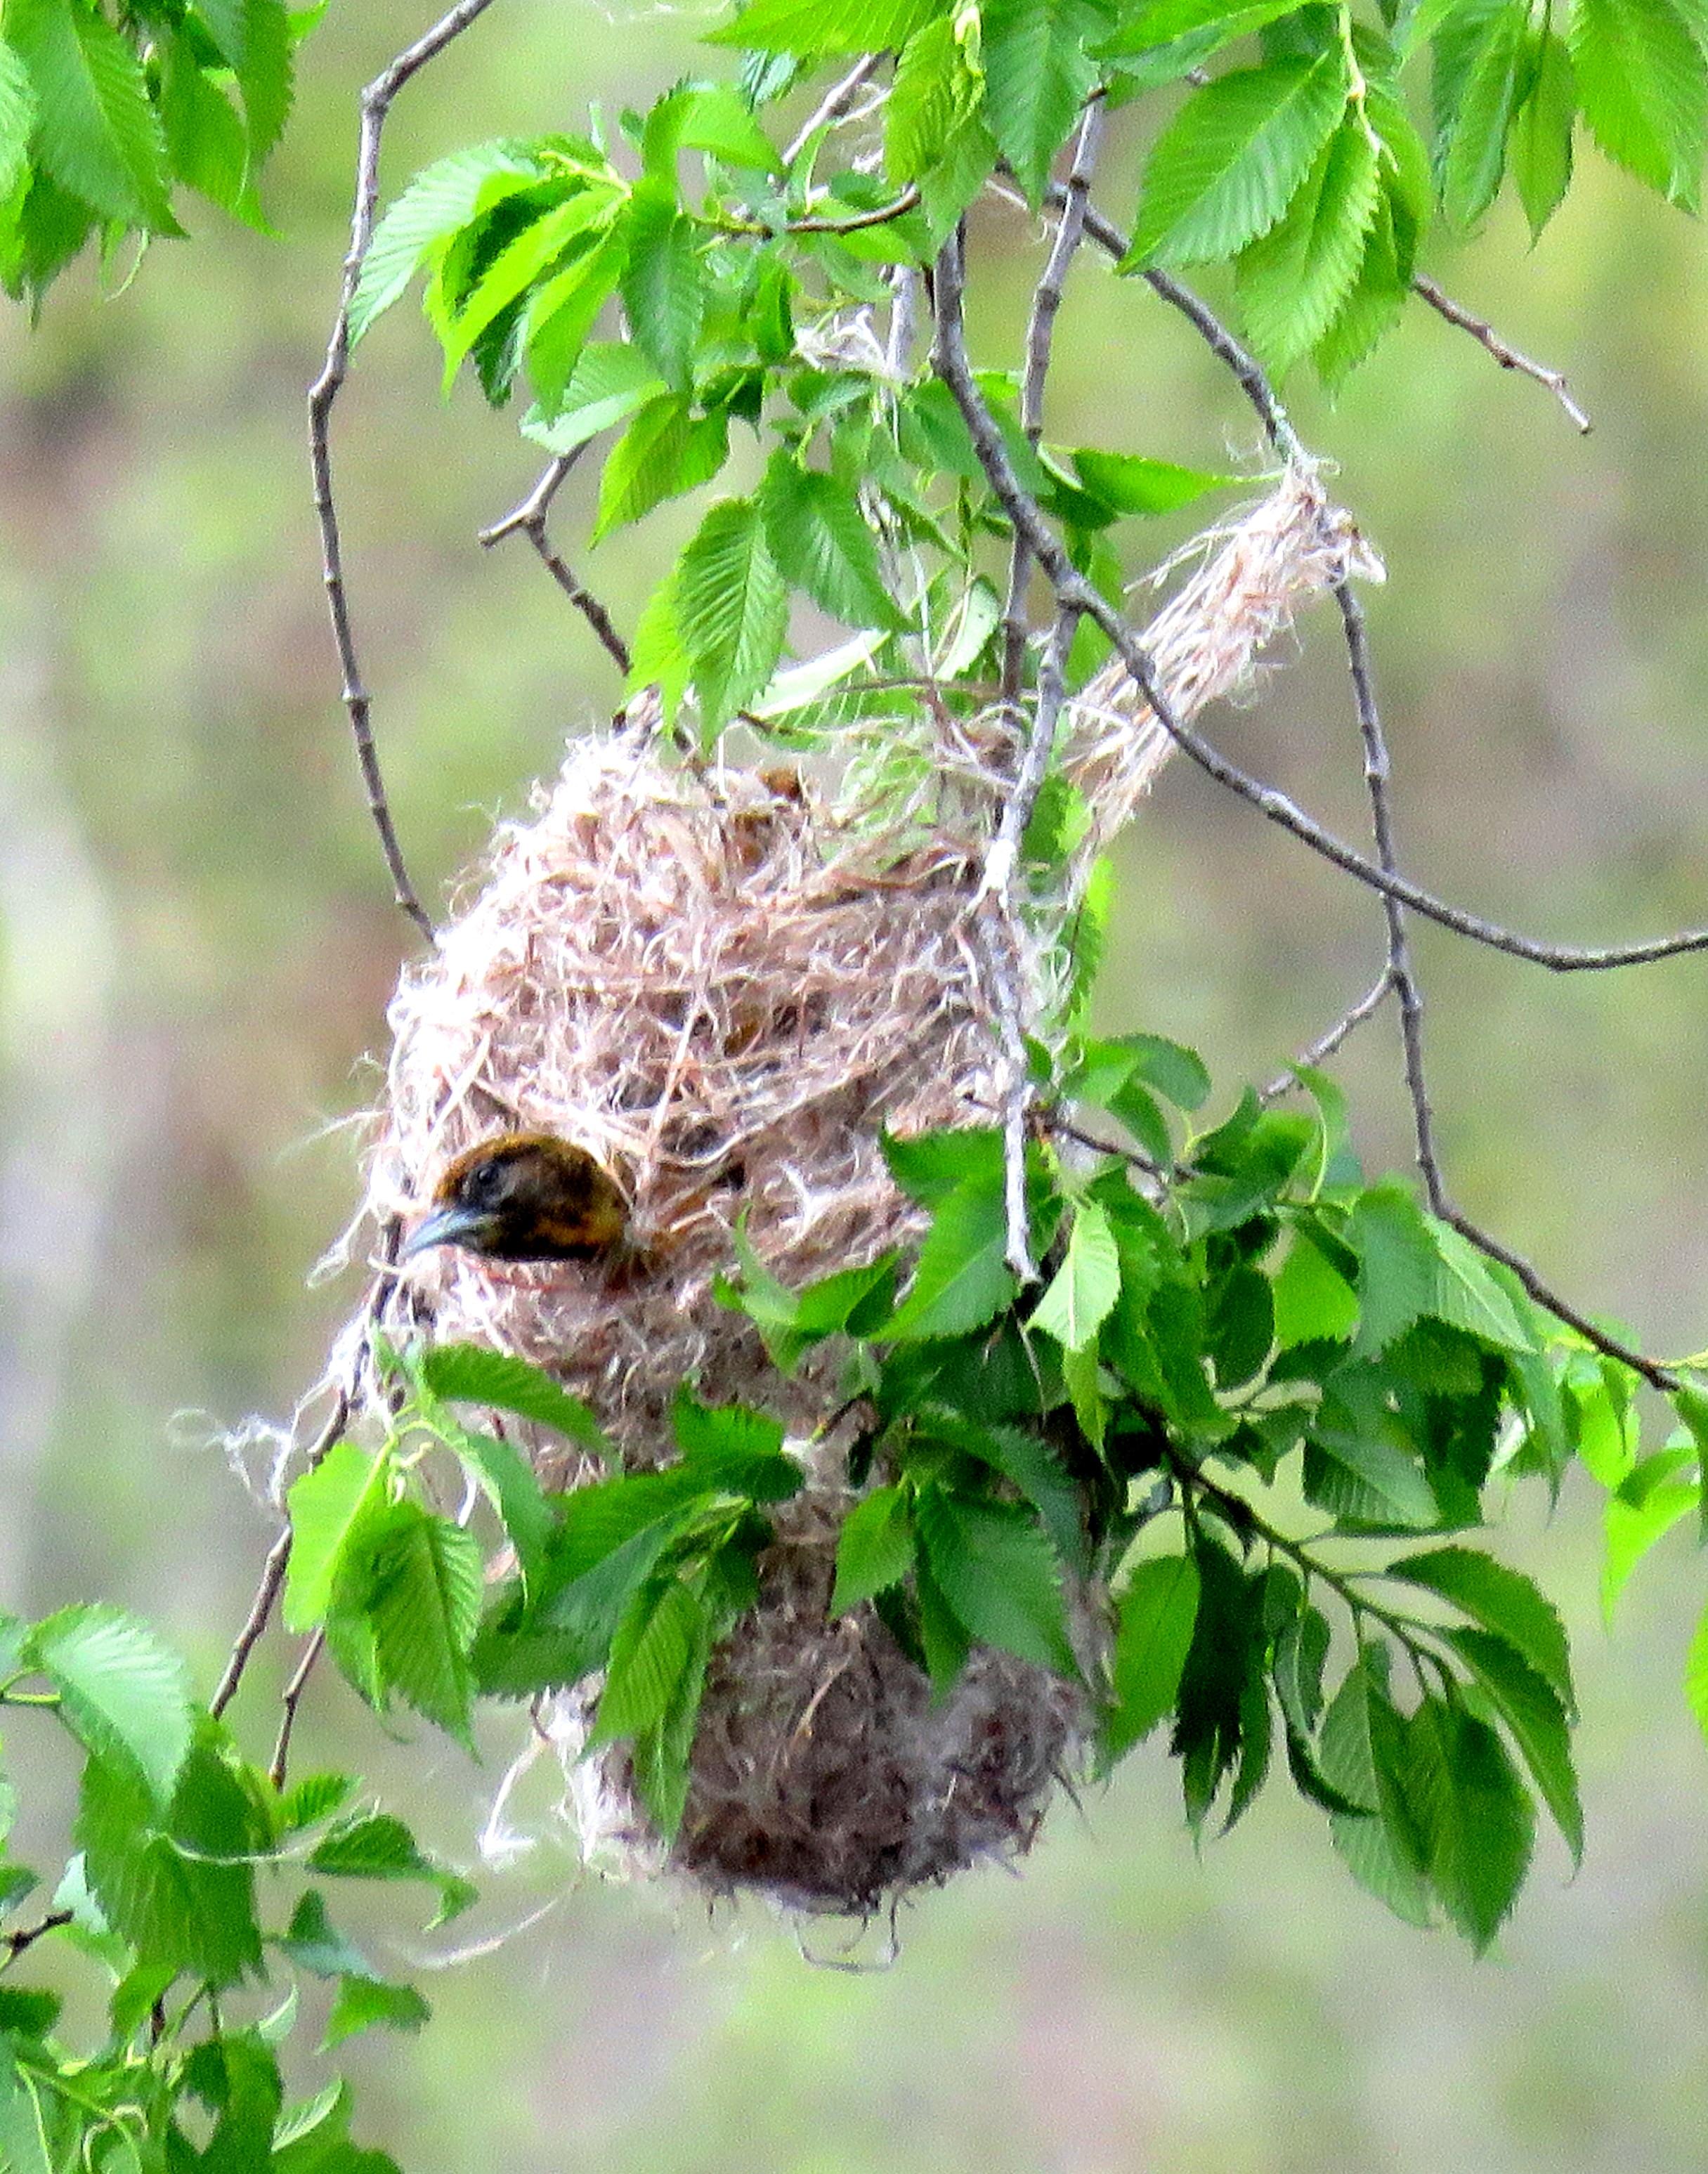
(726,988)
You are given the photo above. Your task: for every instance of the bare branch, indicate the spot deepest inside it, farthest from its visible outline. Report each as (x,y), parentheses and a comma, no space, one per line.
(1071,587)
(529,519)
(375,104)
(17,1943)
(1040,336)
(1326,1044)
(833,106)
(291,1699)
(1504,353)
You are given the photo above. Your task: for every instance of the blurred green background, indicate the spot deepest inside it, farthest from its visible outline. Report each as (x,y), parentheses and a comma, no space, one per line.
(197,949)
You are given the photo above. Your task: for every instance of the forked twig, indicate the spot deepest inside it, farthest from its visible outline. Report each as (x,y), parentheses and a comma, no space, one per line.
(375,104)
(529,519)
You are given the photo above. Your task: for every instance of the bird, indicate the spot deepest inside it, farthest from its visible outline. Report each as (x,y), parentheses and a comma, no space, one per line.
(525,1197)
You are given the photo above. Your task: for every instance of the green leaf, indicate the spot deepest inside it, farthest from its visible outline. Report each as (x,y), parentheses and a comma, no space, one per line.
(371,1846)
(1649,1501)
(254,37)
(1371,1847)
(1372,309)
(963,1279)
(815,27)
(441,198)
(1127,483)
(470,1374)
(1532,1712)
(732,607)
(1157,1613)
(1156,28)
(205,139)
(523,261)
(733,1449)
(422,1600)
(1358,1436)
(122,1694)
(1085,1289)
(1643,84)
(1540,144)
(929,1166)
(819,536)
(329,1507)
(314,1943)
(17,119)
(712,117)
(1396,1265)
(1481,114)
(663,283)
(97,132)
(24,2146)
(610,381)
(1502,1600)
(1293,281)
(508,1481)
(998,1572)
(875,1549)
(1229,164)
(665,451)
(650,1656)
(363,2002)
(1477,1815)
(1313,1301)
(935,91)
(1301,1648)
(1037,72)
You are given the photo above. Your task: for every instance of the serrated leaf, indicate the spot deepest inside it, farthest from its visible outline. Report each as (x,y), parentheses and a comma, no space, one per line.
(473,1374)
(522,262)
(819,536)
(16,118)
(930,1167)
(712,117)
(1536,1719)
(933,93)
(1301,1648)
(1229,164)
(424,1604)
(363,2002)
(97,132)
(315,1798)
(1643,84)
(1501,1600)
(328,1507)
(665,451)
(663,283)
(254,37)
(1477,1817)
(1540,144)
(998,1572)
(1293,280)
(1154,1634)
(1487,93)
(1037,74)
(1651,1498)
(1368,1846)
(1372,309)
(122,1693)
(815,27)
(962,1279)
(732,607)
(314,1943)
(733,1449)
(650,1655)
(1395,1489)
(1085,1289)
(610,382)
(1396,1265)
(441,198)
(371,1846)
(874,1549)
(1129,483)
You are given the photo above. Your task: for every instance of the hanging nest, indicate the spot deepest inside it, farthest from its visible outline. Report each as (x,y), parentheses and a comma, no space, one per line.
(726,988)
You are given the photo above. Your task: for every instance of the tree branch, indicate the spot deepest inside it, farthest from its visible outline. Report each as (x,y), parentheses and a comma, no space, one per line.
(530,519)
(1326,1044)
(834,105)
(375,104)
(1504,353)
(1041,335)
(1024,516)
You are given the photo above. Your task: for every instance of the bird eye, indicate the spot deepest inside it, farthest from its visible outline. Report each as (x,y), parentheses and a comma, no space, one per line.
(482,1182)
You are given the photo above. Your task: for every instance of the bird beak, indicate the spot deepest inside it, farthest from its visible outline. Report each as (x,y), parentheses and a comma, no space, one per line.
(445,1226)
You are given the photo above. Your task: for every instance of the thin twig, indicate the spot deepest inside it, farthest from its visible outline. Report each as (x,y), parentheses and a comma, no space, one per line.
(1040,338)
(376,104)
(1071,588)
(854,222)
(529,519)
(291,1699)
(834,105)
(1503,351)
(274,1568)
(1327,1043)
(16,1944)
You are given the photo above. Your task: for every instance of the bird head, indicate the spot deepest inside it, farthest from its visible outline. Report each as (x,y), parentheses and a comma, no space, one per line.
(525,1197)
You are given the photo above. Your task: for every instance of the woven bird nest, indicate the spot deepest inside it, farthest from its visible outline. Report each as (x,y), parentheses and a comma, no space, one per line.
(726,988)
